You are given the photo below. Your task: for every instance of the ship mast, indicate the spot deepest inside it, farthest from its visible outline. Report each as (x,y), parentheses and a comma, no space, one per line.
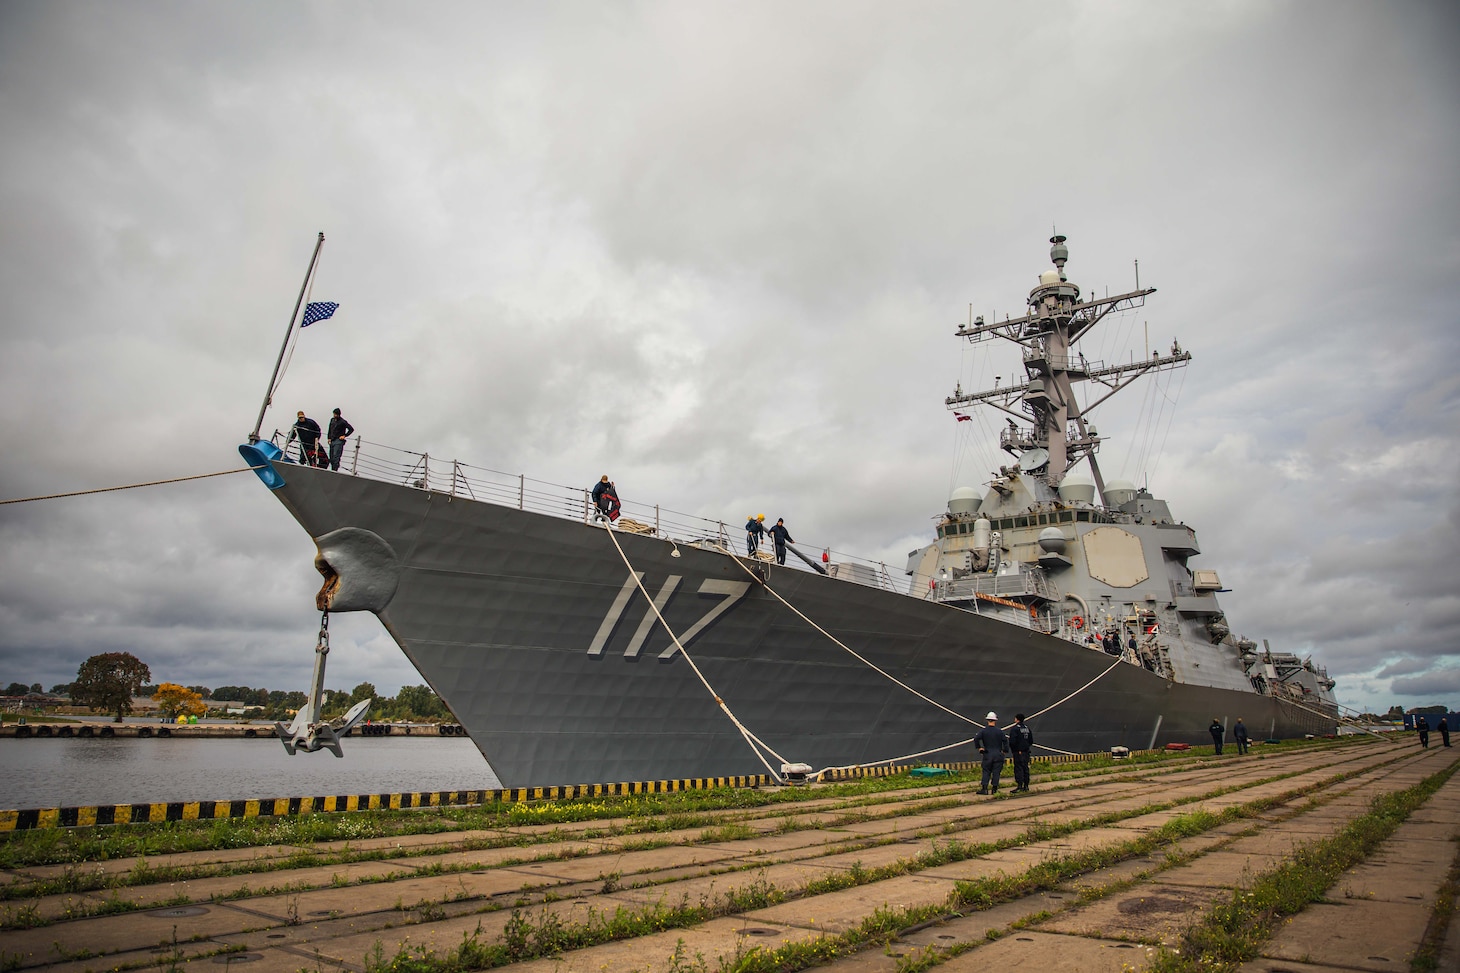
(1046,400)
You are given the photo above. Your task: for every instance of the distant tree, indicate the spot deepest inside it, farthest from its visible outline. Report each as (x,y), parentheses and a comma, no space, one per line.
(17,689)
(363,691)
(109,681)
(420,702)
(61,689)
(36,687)
(202,691)
(173,699)
(1396,712)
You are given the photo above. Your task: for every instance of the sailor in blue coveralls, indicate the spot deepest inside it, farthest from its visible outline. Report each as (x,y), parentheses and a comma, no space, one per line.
(993,744)
(1021,742)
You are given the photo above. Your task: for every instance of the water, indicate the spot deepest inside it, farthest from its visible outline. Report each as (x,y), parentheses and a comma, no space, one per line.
(81,772)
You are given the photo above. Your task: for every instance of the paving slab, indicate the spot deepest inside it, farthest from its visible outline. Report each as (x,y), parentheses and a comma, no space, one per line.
(442,936)
(104,935)
(721,939)
(1277,843)
(1048,953)
(1264,965)
(207,889)
(1387,882)
(975,926)
(879,856)
(1156,912)
(837,912)
(382,897)
(972,869)
(1088,839)
(775,843)
(1220,870)
(1358,934)
(620,863)
(510,854)
(788,878)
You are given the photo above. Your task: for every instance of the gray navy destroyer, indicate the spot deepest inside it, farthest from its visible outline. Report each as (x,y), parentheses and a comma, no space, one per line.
(573,650)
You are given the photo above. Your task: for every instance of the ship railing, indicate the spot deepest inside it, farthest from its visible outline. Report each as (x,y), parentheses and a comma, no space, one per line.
(1065,363)
(1003,586)
(424,471)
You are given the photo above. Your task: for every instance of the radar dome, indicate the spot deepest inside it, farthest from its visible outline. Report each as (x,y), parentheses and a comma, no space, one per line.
(1049,277)
(1119,492)
(964,500)
(1074,490)
(1052,540)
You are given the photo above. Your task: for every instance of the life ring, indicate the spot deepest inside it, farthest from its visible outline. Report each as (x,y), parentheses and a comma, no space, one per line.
(1077,623)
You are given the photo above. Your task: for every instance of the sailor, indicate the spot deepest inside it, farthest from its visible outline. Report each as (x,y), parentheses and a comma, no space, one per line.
(782,537)
(605,498)
(1444,729)
(306,430)
(1423,726)
(1217,730)
(1239,733)
(754,531)
(993,745)
(340,430)
(1021,742)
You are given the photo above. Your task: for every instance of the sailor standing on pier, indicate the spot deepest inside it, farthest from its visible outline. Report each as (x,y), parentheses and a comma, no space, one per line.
(993,745)
(1021,742)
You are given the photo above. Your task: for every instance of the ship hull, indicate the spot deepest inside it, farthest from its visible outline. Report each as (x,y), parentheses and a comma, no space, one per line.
(524,624)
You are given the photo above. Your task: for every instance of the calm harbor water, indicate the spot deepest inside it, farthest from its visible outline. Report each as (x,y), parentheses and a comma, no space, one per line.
(69,772)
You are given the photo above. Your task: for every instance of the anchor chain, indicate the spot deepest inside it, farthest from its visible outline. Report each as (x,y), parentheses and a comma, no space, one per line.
(308,732)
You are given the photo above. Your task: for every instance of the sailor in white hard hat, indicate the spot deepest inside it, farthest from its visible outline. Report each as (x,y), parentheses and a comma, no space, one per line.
(993,746)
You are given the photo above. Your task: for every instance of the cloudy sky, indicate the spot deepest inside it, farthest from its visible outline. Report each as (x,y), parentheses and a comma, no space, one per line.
(719,250)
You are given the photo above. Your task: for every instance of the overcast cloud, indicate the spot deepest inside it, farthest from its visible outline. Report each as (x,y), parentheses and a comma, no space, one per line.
(719,250)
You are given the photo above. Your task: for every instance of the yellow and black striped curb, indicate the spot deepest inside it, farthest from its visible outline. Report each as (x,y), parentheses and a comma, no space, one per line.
(73,817)
(81,817)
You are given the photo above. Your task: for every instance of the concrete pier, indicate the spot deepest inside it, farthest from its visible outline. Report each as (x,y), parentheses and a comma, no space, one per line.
(1085,872)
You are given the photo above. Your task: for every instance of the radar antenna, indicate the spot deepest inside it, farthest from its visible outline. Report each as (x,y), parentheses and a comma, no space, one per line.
(1047,335)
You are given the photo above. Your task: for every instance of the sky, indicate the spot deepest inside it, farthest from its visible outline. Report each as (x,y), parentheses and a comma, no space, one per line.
(719,250)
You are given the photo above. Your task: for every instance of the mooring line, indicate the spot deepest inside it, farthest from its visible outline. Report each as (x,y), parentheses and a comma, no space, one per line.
(922,696)
(129,486)
(750,738)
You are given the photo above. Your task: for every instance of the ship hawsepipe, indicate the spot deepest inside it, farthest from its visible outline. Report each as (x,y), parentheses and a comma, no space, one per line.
(524,624)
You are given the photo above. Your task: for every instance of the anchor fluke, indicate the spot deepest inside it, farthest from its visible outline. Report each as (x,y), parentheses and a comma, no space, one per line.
(306,731)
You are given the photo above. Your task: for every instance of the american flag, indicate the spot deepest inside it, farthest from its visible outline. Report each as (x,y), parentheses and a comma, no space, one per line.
(318,311)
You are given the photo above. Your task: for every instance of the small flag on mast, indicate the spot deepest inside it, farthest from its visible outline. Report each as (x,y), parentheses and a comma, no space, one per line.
(318,311)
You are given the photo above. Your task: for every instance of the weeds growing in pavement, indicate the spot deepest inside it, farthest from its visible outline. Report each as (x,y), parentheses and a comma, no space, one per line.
(1426,959)
(1234,931)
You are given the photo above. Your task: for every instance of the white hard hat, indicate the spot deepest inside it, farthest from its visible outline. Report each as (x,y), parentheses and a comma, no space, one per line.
(991,716)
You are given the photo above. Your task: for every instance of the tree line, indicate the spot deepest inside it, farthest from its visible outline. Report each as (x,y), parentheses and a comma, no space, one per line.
(108,683)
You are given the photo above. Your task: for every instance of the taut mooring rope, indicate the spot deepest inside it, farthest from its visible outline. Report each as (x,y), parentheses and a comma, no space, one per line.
(750,738)
(129,486)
